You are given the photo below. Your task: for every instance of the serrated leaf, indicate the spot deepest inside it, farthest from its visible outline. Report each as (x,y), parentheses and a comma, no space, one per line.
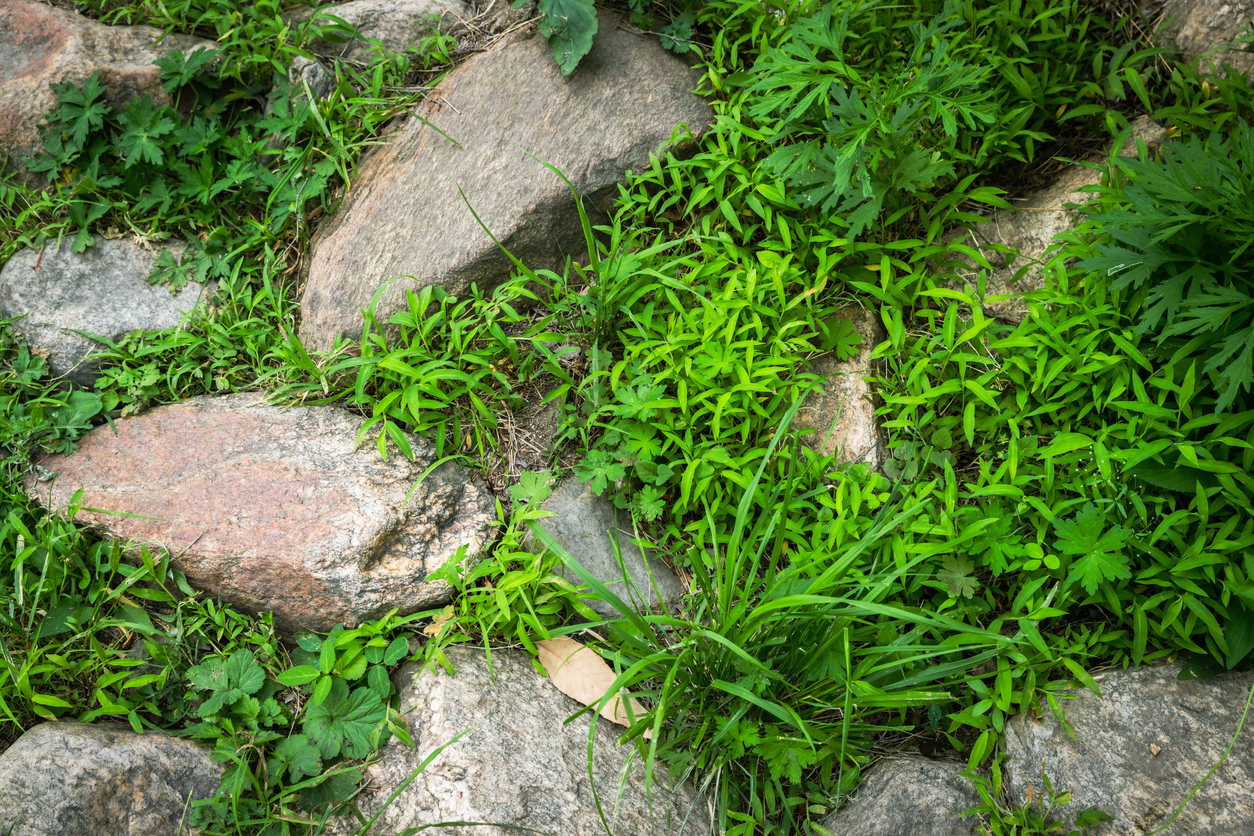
(343,722)
(957,573)
(569,26)
(295,755)
(582,675)
(243,672)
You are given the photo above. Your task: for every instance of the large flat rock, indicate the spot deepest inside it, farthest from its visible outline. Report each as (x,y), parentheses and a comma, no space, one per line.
(520,765)
(273,510)
(72,779)
(909,797)
(42,45)
(103,290)
(1139,750)
(405,217)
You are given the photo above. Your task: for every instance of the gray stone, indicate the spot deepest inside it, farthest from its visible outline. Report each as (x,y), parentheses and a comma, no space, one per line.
(1139,750)
(71,779)
(398,24)
(1207,29)
(103,290)
(274,511)
(581,525)
(405,217)
(305,71)
(42,45)
(520,764)
(842,411)
(909,797)
(1030,229)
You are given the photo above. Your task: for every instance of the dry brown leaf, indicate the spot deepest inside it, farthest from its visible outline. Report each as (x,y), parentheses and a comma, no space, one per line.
(437,623)
(582,675)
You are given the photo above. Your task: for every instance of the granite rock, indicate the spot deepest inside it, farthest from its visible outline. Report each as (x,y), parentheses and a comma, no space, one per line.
(103,290)
(70,779)
(274,511)
(398,24)
(582,526)
(1030,229)
(42,45)
(909,797)
(1208,28)
(520,764)
(1139,750)
(842,411)
(405,217)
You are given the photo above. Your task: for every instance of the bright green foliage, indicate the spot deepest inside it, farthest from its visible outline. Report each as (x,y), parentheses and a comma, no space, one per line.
(1181,250)
(342,722)
(1035,818)
(569,26)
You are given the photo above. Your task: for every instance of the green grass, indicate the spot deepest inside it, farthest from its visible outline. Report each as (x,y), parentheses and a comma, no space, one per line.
(1067,492)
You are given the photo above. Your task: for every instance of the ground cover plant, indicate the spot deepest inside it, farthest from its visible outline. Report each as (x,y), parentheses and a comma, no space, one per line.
(1065,493)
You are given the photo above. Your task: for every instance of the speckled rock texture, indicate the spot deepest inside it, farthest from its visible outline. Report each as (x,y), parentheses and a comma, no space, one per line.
(273,510)
(75,779)
(582,526)
(41,45)
(405,217)
(399,24)
(1139,751)
(1209,27)
(103,290)
(842,411)
(910,797)
(519,765)
(1030,229)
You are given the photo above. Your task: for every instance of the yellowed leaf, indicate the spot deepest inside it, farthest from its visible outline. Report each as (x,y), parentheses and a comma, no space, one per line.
(582,675)
(437,623)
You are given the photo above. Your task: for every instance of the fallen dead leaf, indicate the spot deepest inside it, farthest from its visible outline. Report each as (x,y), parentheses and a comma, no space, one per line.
(582,675)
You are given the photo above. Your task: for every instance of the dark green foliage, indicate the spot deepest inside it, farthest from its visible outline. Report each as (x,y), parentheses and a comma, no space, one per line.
(569,26)
(1181,250)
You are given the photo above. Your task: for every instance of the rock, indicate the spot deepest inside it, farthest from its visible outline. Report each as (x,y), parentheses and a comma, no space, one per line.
(103,290)
(41,45)
(1208,28)
(519,765)
(1030,229)
(842,411)
(399,24)
(68,779)
(1139,751)
(581,525)
(274,511)
(304,71)
(405,217)
(911,797)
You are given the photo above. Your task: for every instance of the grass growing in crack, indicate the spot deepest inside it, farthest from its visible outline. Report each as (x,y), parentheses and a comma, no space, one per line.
(1064,492)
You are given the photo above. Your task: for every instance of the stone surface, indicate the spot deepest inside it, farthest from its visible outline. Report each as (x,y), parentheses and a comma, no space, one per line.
(1030,229)
(405,217)
(399,24)
(71,779)
(519,765)
(910,797)
(1113,764)
(304,71)
(103,290)
(842,411)
(1208,28)
(40,45)
(273,510)
(582,525)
